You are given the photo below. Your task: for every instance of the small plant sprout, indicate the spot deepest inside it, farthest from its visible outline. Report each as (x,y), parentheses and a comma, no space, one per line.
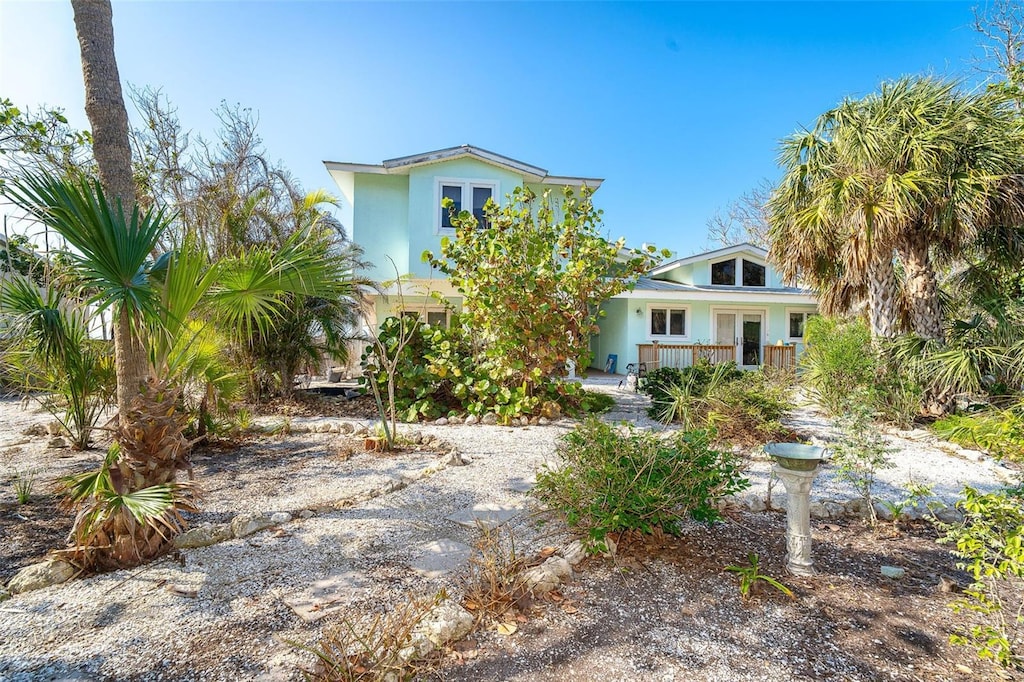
(861,453)
(751,574)
(23,484)
(919,496)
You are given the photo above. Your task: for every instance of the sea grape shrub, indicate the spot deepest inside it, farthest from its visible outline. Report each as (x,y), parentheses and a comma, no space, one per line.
(616,479)
(990,542)
(442,371)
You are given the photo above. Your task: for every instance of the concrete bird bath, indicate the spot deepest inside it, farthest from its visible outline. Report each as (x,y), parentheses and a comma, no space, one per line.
(797,465)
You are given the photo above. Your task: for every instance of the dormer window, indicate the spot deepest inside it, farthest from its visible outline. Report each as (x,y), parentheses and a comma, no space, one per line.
(753,274)
(466,195)
(736,272)
(724,272)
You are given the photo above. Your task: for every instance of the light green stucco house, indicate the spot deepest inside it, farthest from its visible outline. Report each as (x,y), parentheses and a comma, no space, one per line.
(393,211)
(725,304)
(728,304)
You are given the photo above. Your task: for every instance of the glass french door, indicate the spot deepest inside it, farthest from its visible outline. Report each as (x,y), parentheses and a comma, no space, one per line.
(744,331)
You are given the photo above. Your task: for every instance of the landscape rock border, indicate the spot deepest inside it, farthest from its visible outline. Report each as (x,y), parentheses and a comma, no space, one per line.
(54,571)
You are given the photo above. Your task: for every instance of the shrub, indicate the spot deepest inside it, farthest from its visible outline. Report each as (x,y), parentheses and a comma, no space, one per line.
(441,371)
(674,391)
(742,407)
(613,481)
(998,432)
(838,363)
(749,409)
(990,540)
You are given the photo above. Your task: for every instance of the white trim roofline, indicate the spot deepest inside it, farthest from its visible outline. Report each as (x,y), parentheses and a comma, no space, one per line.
(732,297)
(402,164)
(745,247)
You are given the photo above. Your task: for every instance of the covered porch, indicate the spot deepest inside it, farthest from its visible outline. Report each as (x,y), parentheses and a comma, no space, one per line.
(655,355)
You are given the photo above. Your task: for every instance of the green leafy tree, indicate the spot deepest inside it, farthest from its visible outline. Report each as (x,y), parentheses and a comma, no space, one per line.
(41,139)
(533,278)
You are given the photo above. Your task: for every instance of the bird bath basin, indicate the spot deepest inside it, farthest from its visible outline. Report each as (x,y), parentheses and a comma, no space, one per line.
(796,456)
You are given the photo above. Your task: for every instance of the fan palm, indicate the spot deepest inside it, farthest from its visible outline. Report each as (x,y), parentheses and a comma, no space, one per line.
(917,169)
(52,352)
(111,258)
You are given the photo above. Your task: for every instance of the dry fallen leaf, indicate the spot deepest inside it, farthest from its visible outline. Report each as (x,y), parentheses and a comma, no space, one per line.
(545,552)
(507,628)
(470,605)
(556,596)
(569,608)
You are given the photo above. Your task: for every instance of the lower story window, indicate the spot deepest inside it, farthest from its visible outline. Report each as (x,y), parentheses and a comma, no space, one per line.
(434,318)
(797,323)
(668,322)
(437,318)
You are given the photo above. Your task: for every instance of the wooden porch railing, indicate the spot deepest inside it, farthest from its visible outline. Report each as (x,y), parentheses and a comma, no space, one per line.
(656,355)
(783,357)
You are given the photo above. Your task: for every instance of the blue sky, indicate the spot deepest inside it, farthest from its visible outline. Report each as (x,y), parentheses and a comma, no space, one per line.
(680,106)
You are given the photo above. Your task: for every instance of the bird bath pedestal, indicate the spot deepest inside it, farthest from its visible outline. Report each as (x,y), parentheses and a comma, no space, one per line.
(797,465)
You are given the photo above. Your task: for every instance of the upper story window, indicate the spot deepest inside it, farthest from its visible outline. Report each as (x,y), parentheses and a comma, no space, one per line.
(753,274)
(724,272)
(470,196)
(738,272)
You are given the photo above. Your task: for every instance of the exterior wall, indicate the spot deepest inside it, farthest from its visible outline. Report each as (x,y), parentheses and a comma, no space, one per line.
(614,336)
(424,205)
(623,329)
(379,215)
(682,275)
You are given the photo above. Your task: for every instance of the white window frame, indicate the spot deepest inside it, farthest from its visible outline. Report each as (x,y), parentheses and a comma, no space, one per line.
(806,313)
(668,308)
(738,270)
(467,185)
(421,313)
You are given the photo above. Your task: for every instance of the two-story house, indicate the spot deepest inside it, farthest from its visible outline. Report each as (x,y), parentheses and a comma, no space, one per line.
(393,211)
(727,304)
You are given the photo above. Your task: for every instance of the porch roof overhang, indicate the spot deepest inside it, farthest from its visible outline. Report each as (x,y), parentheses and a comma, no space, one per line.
(661,290)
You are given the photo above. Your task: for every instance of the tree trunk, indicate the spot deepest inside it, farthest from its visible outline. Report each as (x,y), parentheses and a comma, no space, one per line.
(922,288)
(882,296)
(130,362)
(104,105)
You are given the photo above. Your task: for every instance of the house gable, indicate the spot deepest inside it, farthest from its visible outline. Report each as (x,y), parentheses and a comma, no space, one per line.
(393,209)
(740,266)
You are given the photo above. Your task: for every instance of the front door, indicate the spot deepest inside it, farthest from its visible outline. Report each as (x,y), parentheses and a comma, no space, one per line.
(744,331)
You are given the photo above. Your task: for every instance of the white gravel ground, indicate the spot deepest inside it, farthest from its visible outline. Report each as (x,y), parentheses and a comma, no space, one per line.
(129,625)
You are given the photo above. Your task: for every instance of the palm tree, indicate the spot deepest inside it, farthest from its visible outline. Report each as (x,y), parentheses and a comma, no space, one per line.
(112,259)
(245,294)
(831,216)
(917,169)
(104,105)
